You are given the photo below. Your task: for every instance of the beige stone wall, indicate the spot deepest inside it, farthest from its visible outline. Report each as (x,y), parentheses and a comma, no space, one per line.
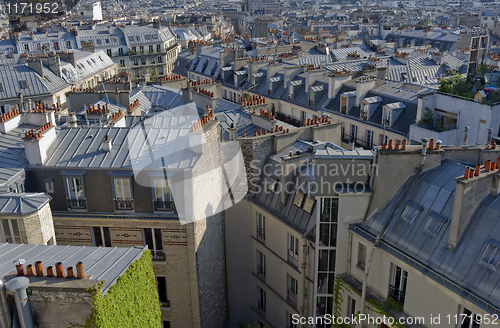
(178,244)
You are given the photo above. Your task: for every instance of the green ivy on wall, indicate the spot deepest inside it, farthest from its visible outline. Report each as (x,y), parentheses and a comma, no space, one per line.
(131,302)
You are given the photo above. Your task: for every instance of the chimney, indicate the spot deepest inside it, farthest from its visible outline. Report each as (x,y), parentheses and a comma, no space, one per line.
(59,270)
(363,85)
(469,193)
(5,316)
(36,65)
(424,151)
(106,144)
(18,287)
(186,95)
(195,140)
(232,132)
(80,273)
(72,120)
(36,148)
(146,77)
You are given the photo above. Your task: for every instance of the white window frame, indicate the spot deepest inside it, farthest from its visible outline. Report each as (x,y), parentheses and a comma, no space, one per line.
(103,239)
(11,231)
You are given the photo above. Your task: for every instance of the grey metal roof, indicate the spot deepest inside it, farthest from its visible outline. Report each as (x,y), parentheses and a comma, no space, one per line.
(10,77)
(106,264)
(22,203)
(434,192)
(12,157)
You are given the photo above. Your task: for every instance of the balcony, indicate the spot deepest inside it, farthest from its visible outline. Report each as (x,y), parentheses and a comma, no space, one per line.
(158,255)
(168,206)
(292,297)
(124,204)
(77,204)
(448,137)
(293,258)
(397,294)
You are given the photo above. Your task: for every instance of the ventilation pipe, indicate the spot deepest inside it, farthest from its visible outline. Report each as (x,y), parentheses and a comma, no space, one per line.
(466,135)
(424,150)
(18,287)
(72,120)
(5,316)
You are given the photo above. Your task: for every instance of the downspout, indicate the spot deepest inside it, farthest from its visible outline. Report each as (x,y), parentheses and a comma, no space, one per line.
(386,225)
(303,267)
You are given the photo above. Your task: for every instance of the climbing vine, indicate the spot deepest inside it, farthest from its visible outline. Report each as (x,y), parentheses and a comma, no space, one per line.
(131,302)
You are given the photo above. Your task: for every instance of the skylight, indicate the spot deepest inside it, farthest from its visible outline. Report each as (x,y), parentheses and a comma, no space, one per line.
(308,204)
(434,223)
(272,184)
(492,254)
(24,84)
(411,211)
(299,197)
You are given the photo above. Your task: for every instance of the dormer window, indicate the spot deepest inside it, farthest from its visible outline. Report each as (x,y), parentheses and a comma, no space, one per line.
(311,98)
(387,118)
(434,223)
(491,255)
(411,211)
(290,92)
(298,199)
(272,184)
(364,112)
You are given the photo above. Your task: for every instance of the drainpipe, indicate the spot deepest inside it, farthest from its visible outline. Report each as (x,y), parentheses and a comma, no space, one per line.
(386,225)
(5,316)
(303,267)
(18,287)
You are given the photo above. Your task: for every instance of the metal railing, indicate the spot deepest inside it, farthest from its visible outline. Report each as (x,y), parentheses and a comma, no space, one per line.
(158,255)
(164,206)
(397,294)
(347,137)
(292,297)
(261,233)
(293,258)
(124,204)
(261,270)
(77,204)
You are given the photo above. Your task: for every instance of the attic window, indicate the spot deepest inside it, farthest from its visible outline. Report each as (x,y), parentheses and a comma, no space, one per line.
(434,223)
(272,184)
(131,38)
(411,211)
(492,253)
(47,78)
(1,87)
(101,58)
(155,36)
(299,198)
(308,204)
(49,185)
(24,84)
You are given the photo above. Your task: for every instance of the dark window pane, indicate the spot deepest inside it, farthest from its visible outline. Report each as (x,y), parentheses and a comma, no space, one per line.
(322,280)
(333,234)
(324,231)
(331,279)
(148,238)
(331,266)
(325,210)
(107,236)
(158,242)
(321,306)
(162,289)
(335,210)
(97,236)
(323,260)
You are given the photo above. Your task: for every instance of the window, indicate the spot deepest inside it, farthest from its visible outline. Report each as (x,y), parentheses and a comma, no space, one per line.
(75,193)
(24,84)
(492,254)
(166,324)
(26,47)
(123,194)
(160,60)
(361,255)
(152,237)
(68,44)
(290,321)
(298,199)
(383,139)
(151,49)
(109,53)
(158,48)
(308,204)
(293,287)
(120,52)
(469,320)
(161,285)
(290,92)
(261,264)
(354,133)
(351,306)
(434,222)
(272,184)
(122,63)
(328,222)
(10,231)
(163,200)
(101,236)
(411,211)
(49,185)
(398,284)
(369,138)
(136,62)
(261,227)
(131,38)
(138,38)
(1,87)
(293,250)
(311,98)
(261,299)
(143,61)
(387,117)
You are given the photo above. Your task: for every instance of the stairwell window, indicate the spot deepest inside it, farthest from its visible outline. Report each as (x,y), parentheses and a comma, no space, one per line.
(491,255)
(261,227)
(293,287)
(469,319)
(261,299)
(9,231)
(261,264)
(101,236)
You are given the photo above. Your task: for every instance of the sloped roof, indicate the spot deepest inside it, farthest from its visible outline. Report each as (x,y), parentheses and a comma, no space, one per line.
(22,203)
(434,194)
